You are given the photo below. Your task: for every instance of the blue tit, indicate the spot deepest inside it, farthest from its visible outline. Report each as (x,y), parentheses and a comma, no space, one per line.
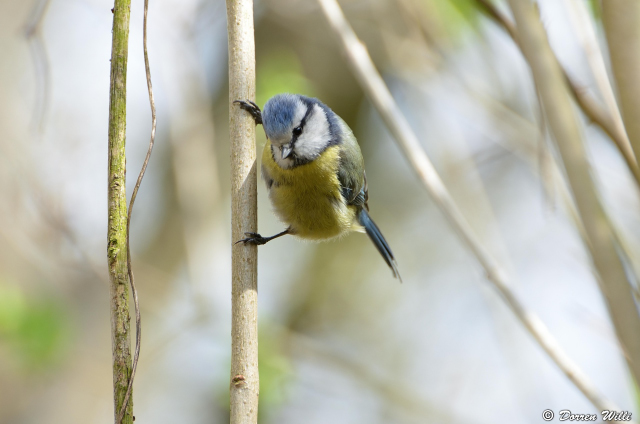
(314,171)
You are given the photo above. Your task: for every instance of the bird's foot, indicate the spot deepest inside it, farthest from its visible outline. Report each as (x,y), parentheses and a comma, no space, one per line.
(252,108)
(254,238)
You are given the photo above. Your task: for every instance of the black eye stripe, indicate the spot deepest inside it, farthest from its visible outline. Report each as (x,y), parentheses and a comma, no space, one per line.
(297,131)
(306,115)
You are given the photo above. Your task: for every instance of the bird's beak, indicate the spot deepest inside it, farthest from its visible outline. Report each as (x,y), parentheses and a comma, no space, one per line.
(286,150)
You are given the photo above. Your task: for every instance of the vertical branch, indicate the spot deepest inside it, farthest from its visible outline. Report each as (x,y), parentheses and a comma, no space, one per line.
(551,85)
(621,19)
(244,296)
(117,230)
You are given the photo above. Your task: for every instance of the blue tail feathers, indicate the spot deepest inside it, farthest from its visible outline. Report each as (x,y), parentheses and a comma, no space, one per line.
(378,240)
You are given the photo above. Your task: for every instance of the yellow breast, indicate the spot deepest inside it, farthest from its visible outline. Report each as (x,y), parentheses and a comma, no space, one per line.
(308,197)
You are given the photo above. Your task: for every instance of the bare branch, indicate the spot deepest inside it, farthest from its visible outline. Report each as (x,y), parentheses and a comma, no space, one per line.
(379,94)
(117,230)
(244,385)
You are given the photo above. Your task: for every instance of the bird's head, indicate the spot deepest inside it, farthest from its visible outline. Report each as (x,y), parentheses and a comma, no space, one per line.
(299,128)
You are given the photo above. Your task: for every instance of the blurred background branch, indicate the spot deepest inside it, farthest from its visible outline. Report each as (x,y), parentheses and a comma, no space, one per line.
(374,86)
(550,82)
(579,17)
(609,121)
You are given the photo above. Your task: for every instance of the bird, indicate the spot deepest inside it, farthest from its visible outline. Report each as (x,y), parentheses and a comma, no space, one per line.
(314,172)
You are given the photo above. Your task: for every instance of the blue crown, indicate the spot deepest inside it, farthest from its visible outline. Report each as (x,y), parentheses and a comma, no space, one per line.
(278,114)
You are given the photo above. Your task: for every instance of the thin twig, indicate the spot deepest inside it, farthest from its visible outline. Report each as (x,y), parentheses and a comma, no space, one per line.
(244,384)
(383,101)
(594,112)
(134,292)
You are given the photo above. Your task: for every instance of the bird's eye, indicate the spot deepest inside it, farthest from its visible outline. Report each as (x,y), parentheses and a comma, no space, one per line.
(297,131)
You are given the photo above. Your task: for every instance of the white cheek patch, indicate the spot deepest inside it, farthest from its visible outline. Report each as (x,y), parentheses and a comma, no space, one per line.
(298,116)
(315,136)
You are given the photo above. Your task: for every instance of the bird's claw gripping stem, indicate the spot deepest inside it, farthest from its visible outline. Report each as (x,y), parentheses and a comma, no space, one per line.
(252,108)
(254,238)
